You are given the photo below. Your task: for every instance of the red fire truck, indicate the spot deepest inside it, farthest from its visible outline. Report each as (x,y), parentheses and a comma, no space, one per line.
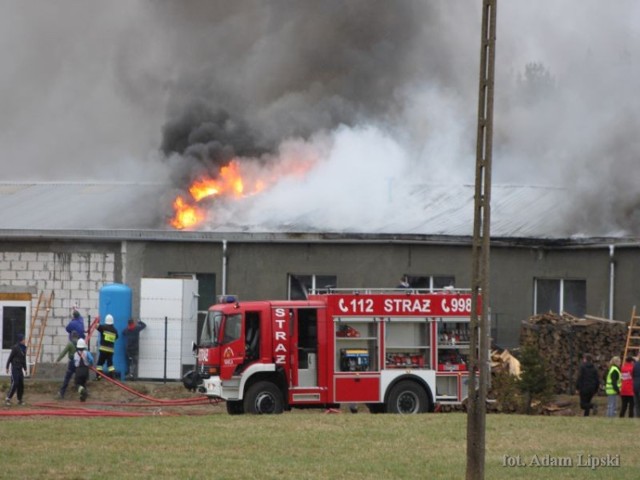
(395,351)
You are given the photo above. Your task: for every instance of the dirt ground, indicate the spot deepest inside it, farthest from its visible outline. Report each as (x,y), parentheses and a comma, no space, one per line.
(144,397)
(165,398)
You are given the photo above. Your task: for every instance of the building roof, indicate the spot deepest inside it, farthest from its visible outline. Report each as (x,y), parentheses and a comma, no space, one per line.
(73,205)
(31,209)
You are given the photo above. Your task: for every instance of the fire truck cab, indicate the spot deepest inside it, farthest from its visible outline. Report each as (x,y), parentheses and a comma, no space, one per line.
(397,351)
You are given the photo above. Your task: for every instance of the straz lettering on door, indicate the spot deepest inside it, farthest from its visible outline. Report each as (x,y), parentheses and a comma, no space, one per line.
(280,335)
(432,305)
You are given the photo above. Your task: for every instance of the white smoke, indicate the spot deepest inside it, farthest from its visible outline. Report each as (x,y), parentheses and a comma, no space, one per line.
(350,168)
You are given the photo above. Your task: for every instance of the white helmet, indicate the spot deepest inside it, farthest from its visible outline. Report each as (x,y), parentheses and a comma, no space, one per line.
(108,319)
(81,345)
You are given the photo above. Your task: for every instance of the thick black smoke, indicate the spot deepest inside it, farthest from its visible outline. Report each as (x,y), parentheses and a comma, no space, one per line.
(253,74)
(201,141)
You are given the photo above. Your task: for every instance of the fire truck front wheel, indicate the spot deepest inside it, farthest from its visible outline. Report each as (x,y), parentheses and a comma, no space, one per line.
(407,397)
(263,398)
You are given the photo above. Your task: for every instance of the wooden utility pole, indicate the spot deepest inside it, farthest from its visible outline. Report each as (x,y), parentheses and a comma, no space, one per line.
(480,327)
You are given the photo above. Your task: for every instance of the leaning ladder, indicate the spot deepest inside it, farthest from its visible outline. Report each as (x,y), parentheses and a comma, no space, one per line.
(633,335)
(36,332)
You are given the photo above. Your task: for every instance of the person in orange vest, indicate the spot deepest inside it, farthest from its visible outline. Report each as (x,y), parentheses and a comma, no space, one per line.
(626,388)
(612,383)
(108,337)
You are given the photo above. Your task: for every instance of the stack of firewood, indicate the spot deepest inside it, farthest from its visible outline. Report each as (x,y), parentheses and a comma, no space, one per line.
(563,339)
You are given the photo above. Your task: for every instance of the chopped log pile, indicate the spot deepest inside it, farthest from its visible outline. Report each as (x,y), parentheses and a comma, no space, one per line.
(563,339)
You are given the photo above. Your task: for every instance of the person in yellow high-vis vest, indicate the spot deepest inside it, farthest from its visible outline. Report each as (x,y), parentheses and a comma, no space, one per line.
(612,384)
(108,337)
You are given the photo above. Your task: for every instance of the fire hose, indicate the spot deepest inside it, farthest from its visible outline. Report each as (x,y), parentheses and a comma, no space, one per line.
(155,401)
(55,409)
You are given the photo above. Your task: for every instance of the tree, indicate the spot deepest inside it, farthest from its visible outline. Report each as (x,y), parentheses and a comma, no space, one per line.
(536,382)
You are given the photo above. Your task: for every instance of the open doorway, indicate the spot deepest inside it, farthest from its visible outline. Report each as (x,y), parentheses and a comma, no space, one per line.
(13,320)
(307,347)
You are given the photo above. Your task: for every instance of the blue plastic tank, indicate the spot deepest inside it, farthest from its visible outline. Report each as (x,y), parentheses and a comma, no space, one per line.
(115,299)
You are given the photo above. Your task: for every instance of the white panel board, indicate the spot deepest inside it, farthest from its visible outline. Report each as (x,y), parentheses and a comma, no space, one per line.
(177,300)
(161,297)
(189,320)
(152,349)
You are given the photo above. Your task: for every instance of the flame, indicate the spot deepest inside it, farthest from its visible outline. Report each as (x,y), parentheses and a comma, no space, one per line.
(229,182)
(235,181)
(185,215)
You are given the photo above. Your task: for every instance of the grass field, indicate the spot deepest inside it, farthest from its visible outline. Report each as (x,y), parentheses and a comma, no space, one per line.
(312,445)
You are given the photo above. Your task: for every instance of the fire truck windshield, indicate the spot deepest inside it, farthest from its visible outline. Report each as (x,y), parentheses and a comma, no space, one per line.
(210,334)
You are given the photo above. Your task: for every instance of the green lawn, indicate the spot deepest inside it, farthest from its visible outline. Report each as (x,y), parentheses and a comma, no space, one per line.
(310,445)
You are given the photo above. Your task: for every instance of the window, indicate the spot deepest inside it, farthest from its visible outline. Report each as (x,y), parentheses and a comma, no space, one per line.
(210,331)
(232,328)
(301,285)
(431,282)
(560,295)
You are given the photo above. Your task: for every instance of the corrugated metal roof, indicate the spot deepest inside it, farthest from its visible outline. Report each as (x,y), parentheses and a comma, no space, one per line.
(516,212)
(40,206)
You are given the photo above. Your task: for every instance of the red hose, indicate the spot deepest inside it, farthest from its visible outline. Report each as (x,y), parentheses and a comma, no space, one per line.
(78,412)
(56,409)
(178,401)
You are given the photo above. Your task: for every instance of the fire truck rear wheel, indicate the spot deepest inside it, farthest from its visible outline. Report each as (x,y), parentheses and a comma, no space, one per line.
(407,397)
(263,398)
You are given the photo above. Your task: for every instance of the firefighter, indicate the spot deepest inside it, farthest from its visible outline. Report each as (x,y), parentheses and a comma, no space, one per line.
(82,360)
(108,337)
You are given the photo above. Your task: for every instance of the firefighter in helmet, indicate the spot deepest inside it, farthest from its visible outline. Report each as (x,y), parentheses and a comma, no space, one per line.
(82,360)
(108,337)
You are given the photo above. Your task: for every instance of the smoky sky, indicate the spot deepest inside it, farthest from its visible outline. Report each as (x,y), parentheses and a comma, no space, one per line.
(252,74)
(169,90)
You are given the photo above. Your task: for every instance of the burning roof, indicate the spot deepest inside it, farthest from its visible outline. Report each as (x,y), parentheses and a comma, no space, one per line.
(444,210)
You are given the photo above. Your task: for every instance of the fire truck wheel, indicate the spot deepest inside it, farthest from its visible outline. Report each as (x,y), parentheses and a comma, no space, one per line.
(407,397)
(263,398)
(235,407)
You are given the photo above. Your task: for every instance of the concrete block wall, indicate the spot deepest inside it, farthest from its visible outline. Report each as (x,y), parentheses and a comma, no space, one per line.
(75,279)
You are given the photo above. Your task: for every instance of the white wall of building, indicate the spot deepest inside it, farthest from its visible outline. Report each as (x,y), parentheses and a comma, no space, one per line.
(76,279)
